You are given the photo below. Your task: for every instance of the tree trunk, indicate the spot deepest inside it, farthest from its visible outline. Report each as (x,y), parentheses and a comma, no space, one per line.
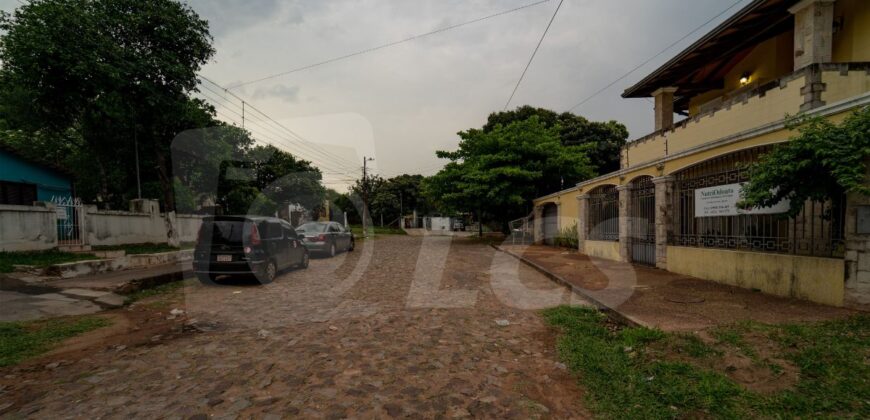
(163,174)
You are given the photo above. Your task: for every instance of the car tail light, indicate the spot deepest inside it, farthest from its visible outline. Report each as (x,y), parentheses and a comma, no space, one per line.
(255,235)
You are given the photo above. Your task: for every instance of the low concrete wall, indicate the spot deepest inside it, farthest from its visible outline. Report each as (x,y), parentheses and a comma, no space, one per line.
(609,250)
(120,227)
(187,226)
(27,228)
(811,278)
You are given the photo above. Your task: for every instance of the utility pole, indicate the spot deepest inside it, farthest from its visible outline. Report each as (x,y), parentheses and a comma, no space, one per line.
(136,147)
(365,186)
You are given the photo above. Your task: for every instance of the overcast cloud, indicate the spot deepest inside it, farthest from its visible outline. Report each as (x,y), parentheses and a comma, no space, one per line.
(417,95)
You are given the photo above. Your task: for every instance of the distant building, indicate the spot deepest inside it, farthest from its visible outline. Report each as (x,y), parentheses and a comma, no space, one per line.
(23,181)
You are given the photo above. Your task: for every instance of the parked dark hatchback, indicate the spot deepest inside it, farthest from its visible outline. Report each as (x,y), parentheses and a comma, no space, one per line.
(246,245)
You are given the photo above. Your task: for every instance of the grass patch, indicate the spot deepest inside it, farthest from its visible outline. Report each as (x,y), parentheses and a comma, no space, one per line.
(163,289)
(23,340)
(39,258)
(146,248)
(633,373)
(377,230)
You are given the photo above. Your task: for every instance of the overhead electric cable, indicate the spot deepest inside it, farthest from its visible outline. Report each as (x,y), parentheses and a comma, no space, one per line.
(654,56)
(382,46)
(544,35)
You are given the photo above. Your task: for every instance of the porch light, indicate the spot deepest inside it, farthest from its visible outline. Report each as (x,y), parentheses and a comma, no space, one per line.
(744,79)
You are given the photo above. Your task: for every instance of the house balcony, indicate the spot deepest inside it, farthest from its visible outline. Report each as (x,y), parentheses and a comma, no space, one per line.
(756,110)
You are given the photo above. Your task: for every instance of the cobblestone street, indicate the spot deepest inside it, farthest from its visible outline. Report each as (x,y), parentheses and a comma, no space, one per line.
(402,327)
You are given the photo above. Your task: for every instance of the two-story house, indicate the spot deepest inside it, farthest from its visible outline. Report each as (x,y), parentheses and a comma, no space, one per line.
(673,202)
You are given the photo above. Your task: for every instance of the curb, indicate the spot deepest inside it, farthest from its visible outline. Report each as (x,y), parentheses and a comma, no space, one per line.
(153,281)
(612,313)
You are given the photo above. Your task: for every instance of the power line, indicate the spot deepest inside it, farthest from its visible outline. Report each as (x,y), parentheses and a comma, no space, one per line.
(330,165)
(390,44)
(302,142)
(533,55)
(654,56)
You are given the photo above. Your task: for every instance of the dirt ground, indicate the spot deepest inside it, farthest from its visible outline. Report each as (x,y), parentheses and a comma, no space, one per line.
(670,301)
(402,327)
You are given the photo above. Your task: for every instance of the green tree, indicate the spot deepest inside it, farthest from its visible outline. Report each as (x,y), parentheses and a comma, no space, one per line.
(267,178)
(823,160)
(497,172)
(605,139)
(90,75)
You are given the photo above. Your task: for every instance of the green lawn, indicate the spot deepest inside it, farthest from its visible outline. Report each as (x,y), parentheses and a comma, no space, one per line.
(357,230)
(146,248)
(811,371)
(39,258)
(22,340)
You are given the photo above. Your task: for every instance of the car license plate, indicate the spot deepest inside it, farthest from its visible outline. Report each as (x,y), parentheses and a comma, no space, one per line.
(224,258)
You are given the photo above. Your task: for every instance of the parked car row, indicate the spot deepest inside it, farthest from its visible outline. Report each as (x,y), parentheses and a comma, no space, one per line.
(262,246)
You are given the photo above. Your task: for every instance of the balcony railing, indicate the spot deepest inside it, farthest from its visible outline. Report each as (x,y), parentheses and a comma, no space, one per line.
(807,88)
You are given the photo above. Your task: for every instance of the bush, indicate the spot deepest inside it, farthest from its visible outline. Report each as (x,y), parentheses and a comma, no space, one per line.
(567,237)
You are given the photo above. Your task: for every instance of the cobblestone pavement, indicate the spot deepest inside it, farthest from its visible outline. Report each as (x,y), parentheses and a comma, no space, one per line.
(402,327)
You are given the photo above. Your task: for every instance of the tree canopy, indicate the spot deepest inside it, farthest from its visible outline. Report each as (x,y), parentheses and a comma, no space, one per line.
(84,78)
(496,172)
(605,139)
(823,160)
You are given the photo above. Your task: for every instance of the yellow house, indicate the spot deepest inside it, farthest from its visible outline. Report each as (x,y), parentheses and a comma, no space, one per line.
(671,205)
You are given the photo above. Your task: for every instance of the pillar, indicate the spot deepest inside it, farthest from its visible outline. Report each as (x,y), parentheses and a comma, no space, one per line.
(538,233)
(664,111)
(813,32)
(624,222)
(664,217)
(582,221)
(857,252)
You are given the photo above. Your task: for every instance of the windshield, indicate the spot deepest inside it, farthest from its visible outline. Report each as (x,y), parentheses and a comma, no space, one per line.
(312,227)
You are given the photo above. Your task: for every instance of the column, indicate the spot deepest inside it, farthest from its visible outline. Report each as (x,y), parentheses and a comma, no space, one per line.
(813,32)
(624,223)
(664,107)
(538,232)
(857,257)
(664,217)
(582,221)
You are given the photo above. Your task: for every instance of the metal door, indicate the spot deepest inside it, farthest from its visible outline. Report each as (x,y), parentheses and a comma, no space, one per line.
(642,208)
(551,223)
(70,214)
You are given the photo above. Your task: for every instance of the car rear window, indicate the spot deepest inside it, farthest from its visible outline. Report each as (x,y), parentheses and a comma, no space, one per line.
(312,228)
(230,232)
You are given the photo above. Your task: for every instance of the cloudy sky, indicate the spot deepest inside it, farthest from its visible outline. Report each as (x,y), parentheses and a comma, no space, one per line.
(401,104)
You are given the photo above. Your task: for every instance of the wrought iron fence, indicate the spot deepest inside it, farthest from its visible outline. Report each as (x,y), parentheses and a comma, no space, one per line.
(604,214)
(818,230)
(522,231)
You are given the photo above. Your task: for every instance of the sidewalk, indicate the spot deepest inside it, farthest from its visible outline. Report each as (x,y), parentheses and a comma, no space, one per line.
(23,301)
(669,301)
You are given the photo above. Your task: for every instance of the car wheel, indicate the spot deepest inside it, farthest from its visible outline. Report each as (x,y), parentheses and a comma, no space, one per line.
(351,246)
(269,273)
(332,249)
(305,259)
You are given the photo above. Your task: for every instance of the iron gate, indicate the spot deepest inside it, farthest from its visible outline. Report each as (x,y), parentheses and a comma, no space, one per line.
(642,237)
(70,215)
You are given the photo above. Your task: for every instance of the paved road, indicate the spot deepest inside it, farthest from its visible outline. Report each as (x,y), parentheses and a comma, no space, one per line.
(402,327)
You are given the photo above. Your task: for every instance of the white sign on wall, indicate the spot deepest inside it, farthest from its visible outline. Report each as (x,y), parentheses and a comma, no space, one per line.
(722,201)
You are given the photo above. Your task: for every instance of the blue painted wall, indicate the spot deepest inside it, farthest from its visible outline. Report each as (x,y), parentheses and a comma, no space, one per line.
(48,182)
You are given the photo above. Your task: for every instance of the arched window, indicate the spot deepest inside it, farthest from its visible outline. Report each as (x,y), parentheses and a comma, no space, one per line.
(603,219)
